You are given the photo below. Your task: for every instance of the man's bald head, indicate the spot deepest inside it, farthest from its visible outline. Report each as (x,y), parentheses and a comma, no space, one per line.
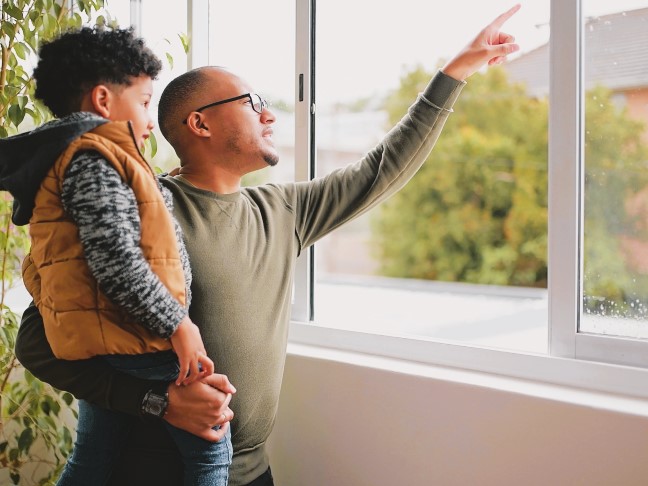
(182,95)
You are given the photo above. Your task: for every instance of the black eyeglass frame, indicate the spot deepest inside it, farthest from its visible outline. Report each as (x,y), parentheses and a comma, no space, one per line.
(264,103)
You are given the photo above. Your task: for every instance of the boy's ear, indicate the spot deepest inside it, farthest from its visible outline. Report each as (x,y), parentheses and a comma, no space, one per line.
(100,98)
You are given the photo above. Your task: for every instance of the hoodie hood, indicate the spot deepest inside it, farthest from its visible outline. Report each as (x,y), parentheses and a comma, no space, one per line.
(26,158)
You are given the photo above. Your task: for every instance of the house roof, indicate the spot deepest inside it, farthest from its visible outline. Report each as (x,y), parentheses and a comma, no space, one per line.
(615,55)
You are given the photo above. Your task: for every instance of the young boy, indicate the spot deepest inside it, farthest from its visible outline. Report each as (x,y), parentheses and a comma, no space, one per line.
(108,268)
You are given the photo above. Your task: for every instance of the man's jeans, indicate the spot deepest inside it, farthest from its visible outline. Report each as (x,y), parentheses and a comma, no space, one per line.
(101,434)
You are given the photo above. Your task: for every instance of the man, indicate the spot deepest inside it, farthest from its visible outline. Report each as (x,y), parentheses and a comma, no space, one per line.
(243,243)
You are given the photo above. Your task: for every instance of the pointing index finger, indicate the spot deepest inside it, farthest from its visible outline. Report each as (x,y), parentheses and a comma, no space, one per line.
(501,19)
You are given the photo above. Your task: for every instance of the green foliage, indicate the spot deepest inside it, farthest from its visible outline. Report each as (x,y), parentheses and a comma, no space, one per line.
(34,440)
(184,39)
(477,210)
(616,179)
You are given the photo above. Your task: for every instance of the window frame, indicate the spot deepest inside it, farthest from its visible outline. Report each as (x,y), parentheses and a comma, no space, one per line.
(593,362)
(566,196)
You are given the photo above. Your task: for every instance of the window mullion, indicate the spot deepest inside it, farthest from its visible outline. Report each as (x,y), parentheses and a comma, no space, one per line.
(136,16)
(198,32)
(304,113)
(565,169)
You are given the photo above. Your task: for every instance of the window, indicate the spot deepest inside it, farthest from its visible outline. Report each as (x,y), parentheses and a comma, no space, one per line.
(340,80)
(163,34)
(469,263)
(237,42)
(361,327)
(615,244)
(598,164)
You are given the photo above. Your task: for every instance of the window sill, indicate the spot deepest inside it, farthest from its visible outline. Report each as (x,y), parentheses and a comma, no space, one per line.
(599,385)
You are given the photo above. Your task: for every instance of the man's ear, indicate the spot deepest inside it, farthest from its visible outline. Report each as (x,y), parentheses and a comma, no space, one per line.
(101,98)
(198,125)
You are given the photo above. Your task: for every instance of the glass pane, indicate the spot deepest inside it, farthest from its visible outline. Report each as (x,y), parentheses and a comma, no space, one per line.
(114,11)
(162,34)
(262,53)
(460,253)
(615,262)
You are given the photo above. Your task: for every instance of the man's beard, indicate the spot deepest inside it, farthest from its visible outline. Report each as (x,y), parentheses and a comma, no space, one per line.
(271,159)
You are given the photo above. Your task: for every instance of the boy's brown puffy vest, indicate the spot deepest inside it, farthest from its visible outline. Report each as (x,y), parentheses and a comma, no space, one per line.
(80,321)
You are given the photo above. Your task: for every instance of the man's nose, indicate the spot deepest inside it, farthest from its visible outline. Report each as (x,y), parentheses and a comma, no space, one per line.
(267,116)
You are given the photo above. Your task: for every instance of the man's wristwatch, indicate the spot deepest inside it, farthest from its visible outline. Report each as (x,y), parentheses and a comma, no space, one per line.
(156,401)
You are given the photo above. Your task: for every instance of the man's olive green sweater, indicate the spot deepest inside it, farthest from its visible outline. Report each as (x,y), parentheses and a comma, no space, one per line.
(243,248)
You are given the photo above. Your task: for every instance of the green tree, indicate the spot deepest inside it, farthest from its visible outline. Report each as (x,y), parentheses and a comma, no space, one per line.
(477,210)
(34,440)
(616,171)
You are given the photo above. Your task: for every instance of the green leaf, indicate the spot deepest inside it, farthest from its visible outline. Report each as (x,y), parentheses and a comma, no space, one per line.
(55,406)
(45,407)
(67,436)
(12,11)
(21,50)
(153,143)
(45,20)
(9,29)
(67,398)
(34,14)
(15,476)
(16,114)
(76,20)
(185,42)
(26,439)
(13,454)
(11,74)
(32,41)
(170,60)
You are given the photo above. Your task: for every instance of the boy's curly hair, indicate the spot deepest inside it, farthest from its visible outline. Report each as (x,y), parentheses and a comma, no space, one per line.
(78,60)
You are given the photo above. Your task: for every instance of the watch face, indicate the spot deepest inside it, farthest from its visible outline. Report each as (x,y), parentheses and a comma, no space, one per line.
(155,408)
(156,405)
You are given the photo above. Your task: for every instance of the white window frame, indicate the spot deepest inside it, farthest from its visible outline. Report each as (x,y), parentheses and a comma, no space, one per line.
(566,190)
(592,362)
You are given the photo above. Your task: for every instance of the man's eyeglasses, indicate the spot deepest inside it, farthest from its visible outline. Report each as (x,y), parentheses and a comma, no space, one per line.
(257,103)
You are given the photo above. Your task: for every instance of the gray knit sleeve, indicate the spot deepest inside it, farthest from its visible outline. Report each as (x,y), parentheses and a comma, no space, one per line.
(105,210)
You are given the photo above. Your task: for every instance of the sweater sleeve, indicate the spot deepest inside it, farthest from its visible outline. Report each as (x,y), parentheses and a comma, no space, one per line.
(325,203)
(105,210)
(88,379)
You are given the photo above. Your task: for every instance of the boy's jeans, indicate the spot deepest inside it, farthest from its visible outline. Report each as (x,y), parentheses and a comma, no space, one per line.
(101,434)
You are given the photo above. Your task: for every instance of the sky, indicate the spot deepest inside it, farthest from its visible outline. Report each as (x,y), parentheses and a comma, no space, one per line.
(363,47)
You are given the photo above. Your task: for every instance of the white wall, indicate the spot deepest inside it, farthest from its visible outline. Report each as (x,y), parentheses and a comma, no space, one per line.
(346,423)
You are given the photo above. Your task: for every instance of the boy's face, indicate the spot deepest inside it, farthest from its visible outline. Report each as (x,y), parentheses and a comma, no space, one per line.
(132,103)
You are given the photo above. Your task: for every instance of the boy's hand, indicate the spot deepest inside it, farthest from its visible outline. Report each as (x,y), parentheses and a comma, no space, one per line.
(188,345)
